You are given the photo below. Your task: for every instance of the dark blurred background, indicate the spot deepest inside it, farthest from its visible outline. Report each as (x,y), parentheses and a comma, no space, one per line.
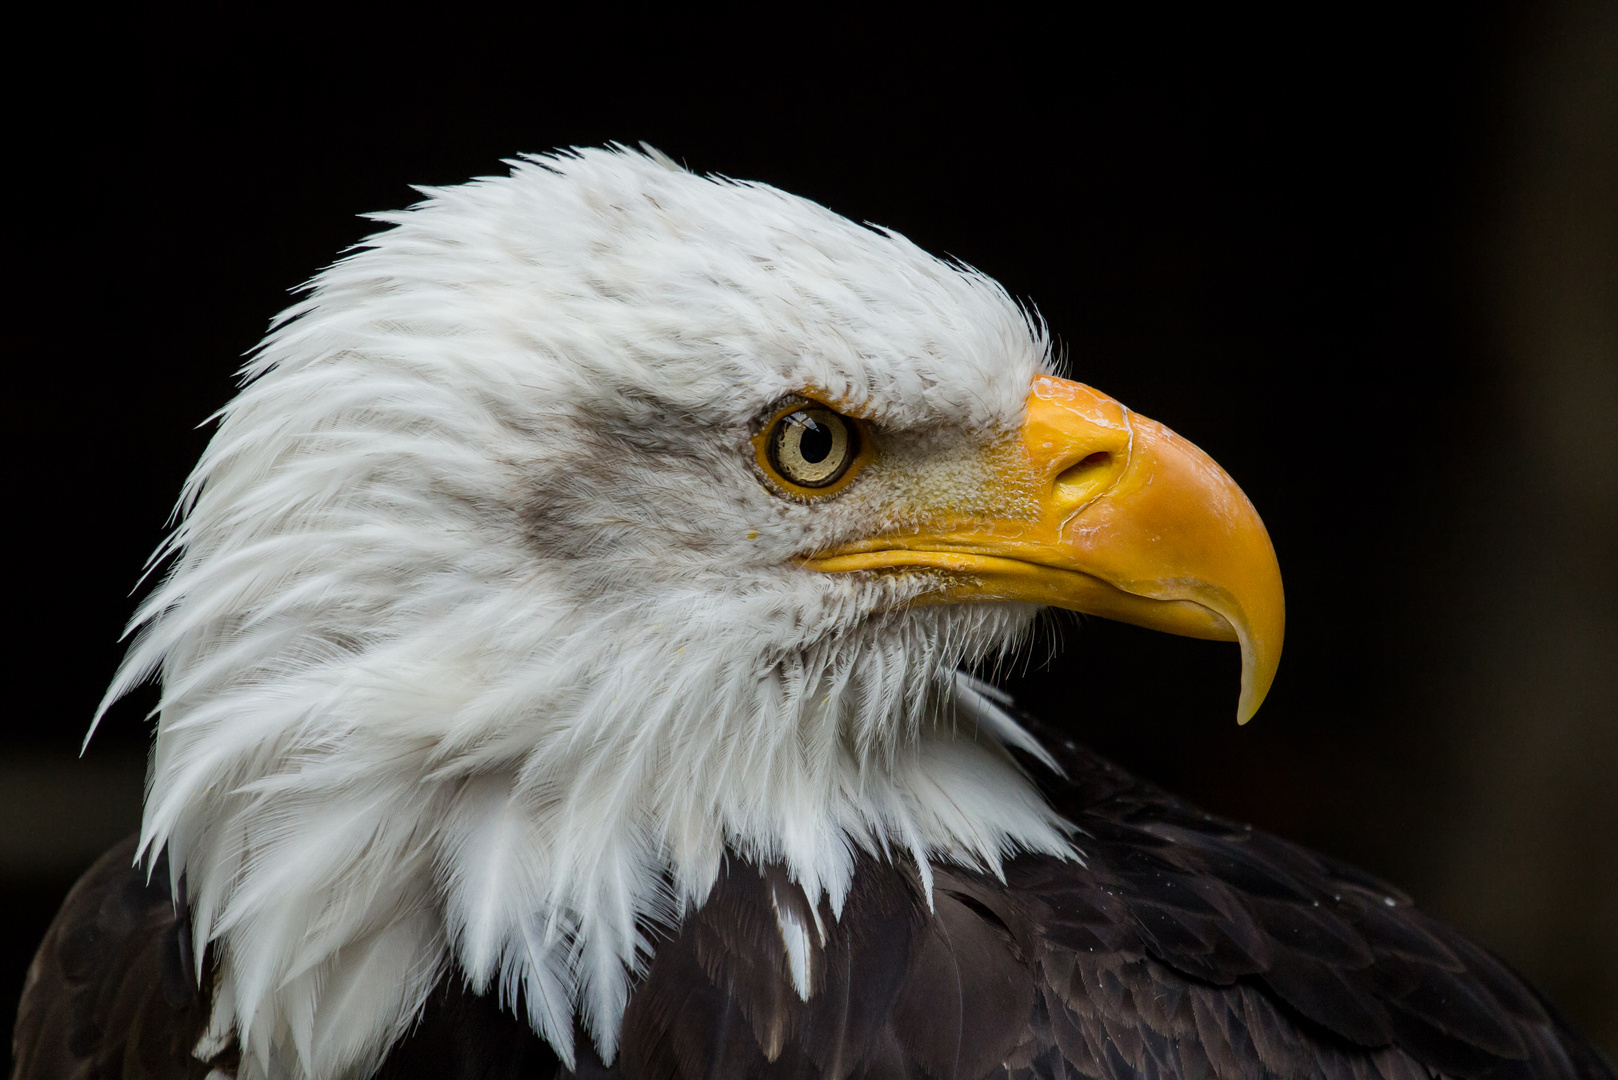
(1368,259)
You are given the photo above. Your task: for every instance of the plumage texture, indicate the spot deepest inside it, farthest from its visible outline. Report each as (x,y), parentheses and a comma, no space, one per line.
(1184,946)
(483,640)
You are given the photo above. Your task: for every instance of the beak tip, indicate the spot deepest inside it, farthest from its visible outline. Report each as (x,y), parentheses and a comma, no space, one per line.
(1258,674)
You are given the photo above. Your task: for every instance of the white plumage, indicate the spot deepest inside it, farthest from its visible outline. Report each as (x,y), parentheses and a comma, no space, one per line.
(483,639)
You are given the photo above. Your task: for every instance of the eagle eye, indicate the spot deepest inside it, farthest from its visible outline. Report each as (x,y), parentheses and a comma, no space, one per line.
(808,448)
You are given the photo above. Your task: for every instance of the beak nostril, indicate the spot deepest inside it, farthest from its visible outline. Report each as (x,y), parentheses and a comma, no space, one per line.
(1078,483)
(1084,470)
(1078,480)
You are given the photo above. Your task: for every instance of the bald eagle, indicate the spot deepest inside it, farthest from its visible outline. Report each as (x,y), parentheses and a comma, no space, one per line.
(562,655)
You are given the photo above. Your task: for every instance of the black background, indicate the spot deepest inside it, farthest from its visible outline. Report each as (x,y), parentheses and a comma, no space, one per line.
(1304,241)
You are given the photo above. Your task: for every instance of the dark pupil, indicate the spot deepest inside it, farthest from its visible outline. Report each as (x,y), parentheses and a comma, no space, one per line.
(814,443)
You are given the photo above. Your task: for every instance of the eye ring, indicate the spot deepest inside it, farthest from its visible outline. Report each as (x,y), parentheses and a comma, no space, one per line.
(809,449)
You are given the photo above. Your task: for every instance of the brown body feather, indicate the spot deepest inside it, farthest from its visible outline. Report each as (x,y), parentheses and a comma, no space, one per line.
(110,994)
(1183,946)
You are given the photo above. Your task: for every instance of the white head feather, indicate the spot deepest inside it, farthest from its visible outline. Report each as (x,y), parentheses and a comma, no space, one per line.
(483,639)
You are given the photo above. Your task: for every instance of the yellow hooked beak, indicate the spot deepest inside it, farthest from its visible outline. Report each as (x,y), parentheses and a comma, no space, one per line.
(1112,514)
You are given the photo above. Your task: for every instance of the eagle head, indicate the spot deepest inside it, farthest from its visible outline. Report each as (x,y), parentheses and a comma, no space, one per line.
(595,521)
